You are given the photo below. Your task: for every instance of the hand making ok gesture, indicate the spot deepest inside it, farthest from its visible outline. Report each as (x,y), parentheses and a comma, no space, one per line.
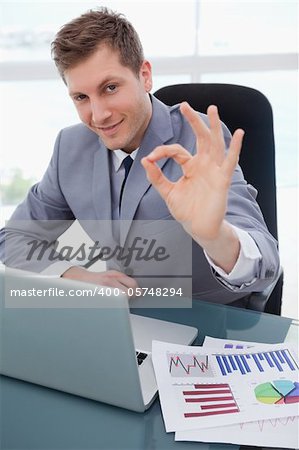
(198,200)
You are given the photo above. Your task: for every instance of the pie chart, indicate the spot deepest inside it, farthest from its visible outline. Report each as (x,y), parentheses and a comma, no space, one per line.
(278,392)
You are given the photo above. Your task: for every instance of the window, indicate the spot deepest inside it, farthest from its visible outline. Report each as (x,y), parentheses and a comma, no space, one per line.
(247,27)
(243,42)
(274,85)
(252,43)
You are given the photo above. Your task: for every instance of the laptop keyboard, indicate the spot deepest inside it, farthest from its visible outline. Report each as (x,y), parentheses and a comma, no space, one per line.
(140,357)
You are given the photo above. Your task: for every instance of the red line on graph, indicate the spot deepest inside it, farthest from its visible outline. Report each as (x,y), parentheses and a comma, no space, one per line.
(211,413)
(221,405)
(208,399)
(214,391)
(176,361)
(212,386)
(272,422)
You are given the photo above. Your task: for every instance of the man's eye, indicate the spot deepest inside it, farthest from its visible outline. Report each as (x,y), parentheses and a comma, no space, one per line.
(111,88)
(79,97)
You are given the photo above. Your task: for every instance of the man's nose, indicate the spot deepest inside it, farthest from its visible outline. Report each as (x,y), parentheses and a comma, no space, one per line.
(99,112)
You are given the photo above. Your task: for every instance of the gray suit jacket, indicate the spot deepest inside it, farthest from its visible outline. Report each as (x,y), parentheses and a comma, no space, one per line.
(76,185)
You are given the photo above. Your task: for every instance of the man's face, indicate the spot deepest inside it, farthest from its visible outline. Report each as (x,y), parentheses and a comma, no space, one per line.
(110,99)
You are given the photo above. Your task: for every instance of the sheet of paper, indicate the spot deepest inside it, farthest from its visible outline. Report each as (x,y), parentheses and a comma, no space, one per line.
(279,432)
(201,387)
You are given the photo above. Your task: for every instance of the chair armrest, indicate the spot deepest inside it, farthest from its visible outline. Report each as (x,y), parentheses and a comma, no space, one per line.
(270,299)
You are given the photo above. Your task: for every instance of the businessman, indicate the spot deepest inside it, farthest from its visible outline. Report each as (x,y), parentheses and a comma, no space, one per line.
(183,167)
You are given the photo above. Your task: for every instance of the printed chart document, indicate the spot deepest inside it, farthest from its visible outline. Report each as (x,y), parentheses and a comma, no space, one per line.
(280,432)
(200,387)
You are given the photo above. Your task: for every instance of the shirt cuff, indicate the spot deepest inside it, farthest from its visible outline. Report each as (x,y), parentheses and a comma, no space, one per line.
(245,270)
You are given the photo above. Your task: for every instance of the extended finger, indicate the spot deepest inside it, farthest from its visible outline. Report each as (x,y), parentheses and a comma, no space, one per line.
(200,129)
(234,150)
(215,123)
(217,139)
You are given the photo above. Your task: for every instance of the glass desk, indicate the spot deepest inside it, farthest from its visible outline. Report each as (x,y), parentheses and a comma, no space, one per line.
(34,417)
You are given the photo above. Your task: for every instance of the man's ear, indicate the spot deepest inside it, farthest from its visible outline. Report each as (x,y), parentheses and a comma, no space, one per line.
(146,75)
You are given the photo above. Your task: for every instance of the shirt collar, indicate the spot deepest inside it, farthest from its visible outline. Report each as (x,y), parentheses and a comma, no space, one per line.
(119,155)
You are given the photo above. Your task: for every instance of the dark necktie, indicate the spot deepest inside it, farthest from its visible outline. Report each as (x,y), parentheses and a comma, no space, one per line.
(127,163)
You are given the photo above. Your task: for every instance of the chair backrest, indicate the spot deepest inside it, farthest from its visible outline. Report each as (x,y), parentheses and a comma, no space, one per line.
(246,108)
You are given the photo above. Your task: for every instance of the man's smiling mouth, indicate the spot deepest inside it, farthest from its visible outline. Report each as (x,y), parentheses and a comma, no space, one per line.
(111,129)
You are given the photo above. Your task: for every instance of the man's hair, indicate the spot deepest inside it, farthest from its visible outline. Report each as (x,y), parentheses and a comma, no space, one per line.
(80,38)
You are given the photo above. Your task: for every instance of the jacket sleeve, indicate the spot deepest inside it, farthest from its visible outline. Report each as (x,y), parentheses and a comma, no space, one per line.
(29,238)
(244,212)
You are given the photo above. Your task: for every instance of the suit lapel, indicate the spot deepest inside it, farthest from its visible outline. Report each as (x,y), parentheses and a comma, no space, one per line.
(159,132)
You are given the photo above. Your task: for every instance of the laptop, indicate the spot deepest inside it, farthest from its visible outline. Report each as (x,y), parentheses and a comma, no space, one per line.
(82,345)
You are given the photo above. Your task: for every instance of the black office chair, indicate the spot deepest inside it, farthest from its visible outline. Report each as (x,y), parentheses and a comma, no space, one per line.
(246,108)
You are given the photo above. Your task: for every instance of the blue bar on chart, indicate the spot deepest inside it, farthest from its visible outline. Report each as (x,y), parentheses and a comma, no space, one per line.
(279,360)
(238,346)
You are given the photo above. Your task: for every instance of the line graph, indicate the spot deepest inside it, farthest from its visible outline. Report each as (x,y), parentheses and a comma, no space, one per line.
(186,365)
(262,425)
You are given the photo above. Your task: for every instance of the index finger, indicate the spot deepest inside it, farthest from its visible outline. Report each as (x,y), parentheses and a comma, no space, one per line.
(199,128)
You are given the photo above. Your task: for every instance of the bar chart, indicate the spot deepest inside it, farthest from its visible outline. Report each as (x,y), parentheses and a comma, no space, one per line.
(256,362)
(209,400)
